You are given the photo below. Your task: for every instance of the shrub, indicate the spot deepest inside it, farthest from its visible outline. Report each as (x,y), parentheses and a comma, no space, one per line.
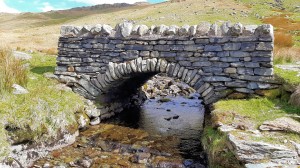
(11,71)
(283,39)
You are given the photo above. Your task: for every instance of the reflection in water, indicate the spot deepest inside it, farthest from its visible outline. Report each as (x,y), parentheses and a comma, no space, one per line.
(180,117)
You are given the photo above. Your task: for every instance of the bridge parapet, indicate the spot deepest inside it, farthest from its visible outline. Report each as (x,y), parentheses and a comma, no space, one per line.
(214,60)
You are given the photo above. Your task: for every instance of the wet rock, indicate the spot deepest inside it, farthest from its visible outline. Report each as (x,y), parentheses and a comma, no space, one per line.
(19,89)
(175,117)
(46,165)
(188,162)
(281,124)
(168,118)
(140,158)
(86,162)
(82,120)
(95,121)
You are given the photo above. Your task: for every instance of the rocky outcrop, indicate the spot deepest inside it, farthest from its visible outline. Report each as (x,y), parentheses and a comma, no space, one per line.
(248,151)
(282,124)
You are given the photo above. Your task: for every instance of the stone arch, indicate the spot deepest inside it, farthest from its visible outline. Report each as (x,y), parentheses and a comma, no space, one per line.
(117,74)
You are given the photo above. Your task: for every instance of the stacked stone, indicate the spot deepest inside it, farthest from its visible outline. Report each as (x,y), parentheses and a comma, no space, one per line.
(214,60)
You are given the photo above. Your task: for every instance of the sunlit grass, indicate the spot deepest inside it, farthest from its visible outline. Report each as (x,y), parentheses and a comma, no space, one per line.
(288,76)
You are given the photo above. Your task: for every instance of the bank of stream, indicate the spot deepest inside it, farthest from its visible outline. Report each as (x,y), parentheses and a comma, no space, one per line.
(163,132)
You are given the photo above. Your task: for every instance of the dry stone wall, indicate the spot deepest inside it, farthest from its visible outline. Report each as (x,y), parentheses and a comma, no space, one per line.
(214,60)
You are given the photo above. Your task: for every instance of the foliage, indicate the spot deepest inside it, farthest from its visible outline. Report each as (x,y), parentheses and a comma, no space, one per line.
(42,113)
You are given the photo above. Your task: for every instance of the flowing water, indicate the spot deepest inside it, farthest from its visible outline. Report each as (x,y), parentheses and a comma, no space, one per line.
(161,133)
(172,116)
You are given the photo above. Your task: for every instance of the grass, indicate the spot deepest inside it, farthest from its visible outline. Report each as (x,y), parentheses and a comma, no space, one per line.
(43,113)
(12,71)
(290,77)
(257,110)
(283,55)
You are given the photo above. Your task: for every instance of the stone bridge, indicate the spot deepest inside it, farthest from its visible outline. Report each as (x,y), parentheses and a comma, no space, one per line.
(108,65)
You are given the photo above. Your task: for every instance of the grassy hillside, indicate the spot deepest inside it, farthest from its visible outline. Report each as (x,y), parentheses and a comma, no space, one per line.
(40,31)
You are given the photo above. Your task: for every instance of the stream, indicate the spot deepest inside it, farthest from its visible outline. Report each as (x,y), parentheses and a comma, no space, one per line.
(161,133)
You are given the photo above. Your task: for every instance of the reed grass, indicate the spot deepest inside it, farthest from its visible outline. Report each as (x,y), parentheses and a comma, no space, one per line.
(12,71)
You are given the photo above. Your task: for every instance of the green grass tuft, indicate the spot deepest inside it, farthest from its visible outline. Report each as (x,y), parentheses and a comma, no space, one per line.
(288,76)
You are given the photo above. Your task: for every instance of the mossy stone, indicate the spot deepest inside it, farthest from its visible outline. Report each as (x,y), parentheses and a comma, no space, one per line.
(271,94)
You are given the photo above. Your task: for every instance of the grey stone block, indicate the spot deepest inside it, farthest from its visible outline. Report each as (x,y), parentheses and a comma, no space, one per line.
(203,29)
(230,70)
(216,79)
(263,71)
(177,47)
(209,54)
(237,64)
(232,46)
(194,47)
(239,54)
(244,90)
(265,46)
(252,64)
(201,64)
(248,46)
(139,47)
(202,41)
(236,84)
(184,30)
(162,47)
(245,71)
(212,69)
(185,63)
(212,48)
(223,54)
(167,54)
(229,59)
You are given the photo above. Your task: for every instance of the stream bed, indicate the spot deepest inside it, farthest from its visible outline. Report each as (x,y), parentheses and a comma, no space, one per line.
(161,133)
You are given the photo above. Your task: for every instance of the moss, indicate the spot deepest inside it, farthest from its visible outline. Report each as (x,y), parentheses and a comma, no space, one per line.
(271,94)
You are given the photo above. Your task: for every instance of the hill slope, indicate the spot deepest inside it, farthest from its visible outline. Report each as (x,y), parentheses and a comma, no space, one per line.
(41,30)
